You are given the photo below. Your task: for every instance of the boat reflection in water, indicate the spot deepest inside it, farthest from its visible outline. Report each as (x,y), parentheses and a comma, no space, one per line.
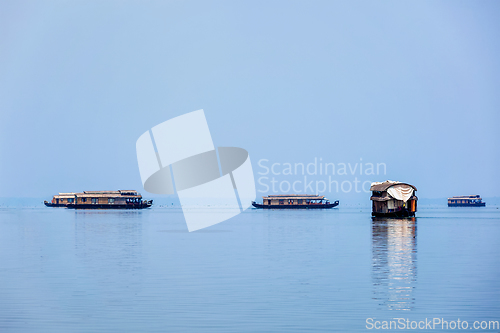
(394,261)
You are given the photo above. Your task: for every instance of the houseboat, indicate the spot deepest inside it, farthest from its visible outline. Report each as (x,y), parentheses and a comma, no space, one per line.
(393,199)
(295,201)
(121,199)
(466,201)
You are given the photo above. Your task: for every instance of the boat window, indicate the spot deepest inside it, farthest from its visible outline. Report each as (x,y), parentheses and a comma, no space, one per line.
(84,199)
(71,200)
(281,201)
(299,201)
(111,200)
(94,200)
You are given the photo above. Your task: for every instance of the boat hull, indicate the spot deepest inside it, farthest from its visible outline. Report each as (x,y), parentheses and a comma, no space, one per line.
(480,204)
(403,213)
(317,206)
(50,204)
(107,206)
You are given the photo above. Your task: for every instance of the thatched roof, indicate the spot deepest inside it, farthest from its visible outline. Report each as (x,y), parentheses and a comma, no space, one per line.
(131,192)
(100,194)
(64,196)
(477,196)
(104,195)
(294,197)
(381,187)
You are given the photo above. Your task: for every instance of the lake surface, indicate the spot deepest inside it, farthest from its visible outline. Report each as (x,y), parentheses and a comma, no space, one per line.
(63,270)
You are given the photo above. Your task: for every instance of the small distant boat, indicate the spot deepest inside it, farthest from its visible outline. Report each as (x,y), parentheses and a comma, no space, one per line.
(466,201)
(295,201)
(121,199)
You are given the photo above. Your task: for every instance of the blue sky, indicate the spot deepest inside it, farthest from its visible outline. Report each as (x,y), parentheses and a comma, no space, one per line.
(410,84)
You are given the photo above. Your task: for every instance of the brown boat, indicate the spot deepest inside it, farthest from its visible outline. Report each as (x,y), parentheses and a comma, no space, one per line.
(393,199)
(121,199)
(295,201)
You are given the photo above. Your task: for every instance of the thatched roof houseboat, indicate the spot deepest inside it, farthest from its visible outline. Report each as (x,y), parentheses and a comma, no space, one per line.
(393,199)
(295,201)
(121,199)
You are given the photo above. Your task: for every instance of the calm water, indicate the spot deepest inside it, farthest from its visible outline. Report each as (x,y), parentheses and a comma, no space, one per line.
(263,271)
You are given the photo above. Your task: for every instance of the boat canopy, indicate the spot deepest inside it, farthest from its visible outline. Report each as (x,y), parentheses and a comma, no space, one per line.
(100,194)
(294,197)
(393,190)
(105,195)
(477,196)
(65,196)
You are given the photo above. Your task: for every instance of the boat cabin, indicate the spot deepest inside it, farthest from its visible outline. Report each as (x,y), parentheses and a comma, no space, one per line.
(293,199)
(63,199)
(393,199)
(107,197)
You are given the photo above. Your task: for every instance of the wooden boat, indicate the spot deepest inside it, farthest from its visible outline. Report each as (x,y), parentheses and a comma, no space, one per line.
(121,199)
(295,201)
(466,201)
(393,199)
